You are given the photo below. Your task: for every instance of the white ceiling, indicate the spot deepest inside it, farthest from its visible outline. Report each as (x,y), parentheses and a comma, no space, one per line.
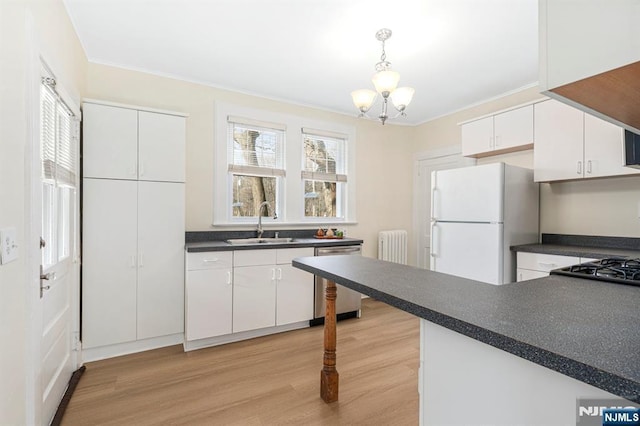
(455,53)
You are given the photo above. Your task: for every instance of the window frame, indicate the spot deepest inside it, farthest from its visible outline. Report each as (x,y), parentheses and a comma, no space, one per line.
(290,208)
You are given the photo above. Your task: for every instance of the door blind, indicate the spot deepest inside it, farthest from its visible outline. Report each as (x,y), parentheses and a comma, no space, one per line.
(58,137)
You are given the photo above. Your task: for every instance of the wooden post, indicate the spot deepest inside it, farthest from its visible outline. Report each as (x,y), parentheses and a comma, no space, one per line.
(329,374)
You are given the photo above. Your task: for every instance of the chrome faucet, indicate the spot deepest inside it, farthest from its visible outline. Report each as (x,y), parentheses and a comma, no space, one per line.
(275,216)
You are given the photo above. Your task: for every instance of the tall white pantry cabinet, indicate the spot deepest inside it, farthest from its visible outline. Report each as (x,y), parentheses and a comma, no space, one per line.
(132,229)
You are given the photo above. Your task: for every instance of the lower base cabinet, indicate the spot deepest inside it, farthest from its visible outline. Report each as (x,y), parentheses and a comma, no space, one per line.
(538,265)
(244,290)
(254,297)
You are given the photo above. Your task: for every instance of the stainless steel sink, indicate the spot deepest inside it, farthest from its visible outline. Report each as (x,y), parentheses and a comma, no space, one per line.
(245,241)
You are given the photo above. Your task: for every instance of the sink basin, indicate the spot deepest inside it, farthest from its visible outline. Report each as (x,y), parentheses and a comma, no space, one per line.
(244,241)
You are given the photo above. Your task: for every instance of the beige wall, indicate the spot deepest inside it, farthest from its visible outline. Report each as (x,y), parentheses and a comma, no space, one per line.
(608,206)
(53,38)
(382,164)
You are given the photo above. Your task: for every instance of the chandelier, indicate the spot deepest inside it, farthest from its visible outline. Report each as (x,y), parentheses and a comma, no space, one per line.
(385,81)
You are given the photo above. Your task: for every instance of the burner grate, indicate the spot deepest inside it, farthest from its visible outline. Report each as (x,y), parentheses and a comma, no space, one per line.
(624,271)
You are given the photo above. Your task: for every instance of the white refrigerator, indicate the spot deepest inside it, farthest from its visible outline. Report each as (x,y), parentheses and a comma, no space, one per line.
(477,213)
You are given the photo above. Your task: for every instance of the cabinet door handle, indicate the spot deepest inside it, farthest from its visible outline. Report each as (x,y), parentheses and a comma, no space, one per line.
(433,241)
(547,265)
(228,277)
(280,273)
(589,167)
(141,262)
(215,259)
(141,168)
(579,170)
(133,261)
(497,140)
(273,274)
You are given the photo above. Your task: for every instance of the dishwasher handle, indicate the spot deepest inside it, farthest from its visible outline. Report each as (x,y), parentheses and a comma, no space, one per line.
(326,251)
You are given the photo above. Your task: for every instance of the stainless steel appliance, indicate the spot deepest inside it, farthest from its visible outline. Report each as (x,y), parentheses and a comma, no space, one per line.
(616,270)
(348,301)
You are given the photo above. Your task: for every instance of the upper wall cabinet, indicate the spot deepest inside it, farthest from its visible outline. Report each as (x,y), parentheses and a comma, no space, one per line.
(125,143)
(500,133)
(590,57)
(570,144)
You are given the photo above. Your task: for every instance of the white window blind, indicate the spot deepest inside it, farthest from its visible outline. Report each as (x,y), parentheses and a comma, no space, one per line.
(324,156)
(255,147)
(58,138)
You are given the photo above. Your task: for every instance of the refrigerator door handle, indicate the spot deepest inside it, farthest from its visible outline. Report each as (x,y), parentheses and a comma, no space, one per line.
(433,253)
(433,203)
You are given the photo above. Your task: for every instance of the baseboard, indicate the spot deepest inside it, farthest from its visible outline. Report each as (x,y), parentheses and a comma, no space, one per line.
(110,351)
(245,335)
(339,317)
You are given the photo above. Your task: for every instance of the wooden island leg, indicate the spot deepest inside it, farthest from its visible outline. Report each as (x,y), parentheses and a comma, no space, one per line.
(329,374)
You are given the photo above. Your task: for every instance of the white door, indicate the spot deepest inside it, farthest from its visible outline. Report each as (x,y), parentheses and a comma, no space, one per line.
(422,199)
(254,297)
(514,128)
(477,136)
(160,293)
(604,148)
(294,295)
(57,206)
(209,294)
(161,141)
(109,270)
(110,142)
(468,250)
(470,194)
(558,147)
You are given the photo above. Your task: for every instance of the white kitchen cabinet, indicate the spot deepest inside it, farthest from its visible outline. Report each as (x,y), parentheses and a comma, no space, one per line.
(254,297)
(133,261)
(579,39)
(160,259)
(110,142)
(109,262)
(208,295)
(538,265)
(503,132)
(570,144)
(161,152)
(127,143)
(133,229)
(604,149)
(294,288)
(268,291)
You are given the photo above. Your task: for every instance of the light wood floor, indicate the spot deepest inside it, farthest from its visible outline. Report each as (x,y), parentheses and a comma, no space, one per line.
(273,380)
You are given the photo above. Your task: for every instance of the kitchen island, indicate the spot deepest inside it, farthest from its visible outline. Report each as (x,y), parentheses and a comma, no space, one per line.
(550,340)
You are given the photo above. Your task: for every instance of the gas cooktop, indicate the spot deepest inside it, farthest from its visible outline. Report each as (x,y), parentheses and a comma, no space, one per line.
(616,270)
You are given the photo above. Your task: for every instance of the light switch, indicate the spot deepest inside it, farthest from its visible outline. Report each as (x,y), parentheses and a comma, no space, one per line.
(8,246)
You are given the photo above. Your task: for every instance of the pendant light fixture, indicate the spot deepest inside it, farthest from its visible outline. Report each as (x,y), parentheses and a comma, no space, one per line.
(386,83)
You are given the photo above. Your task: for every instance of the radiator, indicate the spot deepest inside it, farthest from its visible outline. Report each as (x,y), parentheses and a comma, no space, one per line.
(392,246)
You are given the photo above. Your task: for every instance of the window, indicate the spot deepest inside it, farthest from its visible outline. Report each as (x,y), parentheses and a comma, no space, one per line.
(323,173)
(58,148)
(297,164)
(256,166)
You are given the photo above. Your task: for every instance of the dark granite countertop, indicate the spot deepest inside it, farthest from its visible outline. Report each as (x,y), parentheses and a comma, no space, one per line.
(584,329)
(583,246)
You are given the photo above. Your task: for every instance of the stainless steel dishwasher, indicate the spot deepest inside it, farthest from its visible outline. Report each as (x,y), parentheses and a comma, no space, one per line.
(348,301)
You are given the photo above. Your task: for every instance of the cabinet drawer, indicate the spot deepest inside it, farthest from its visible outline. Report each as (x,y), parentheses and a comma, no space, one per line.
(285,256)
(209,260)
(255,257)
(545,262)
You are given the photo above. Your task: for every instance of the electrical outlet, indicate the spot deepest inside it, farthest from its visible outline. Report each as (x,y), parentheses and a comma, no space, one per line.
(8,246)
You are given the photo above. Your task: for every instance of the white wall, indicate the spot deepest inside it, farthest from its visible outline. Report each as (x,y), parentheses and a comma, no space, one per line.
(383,167)
(55,39)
